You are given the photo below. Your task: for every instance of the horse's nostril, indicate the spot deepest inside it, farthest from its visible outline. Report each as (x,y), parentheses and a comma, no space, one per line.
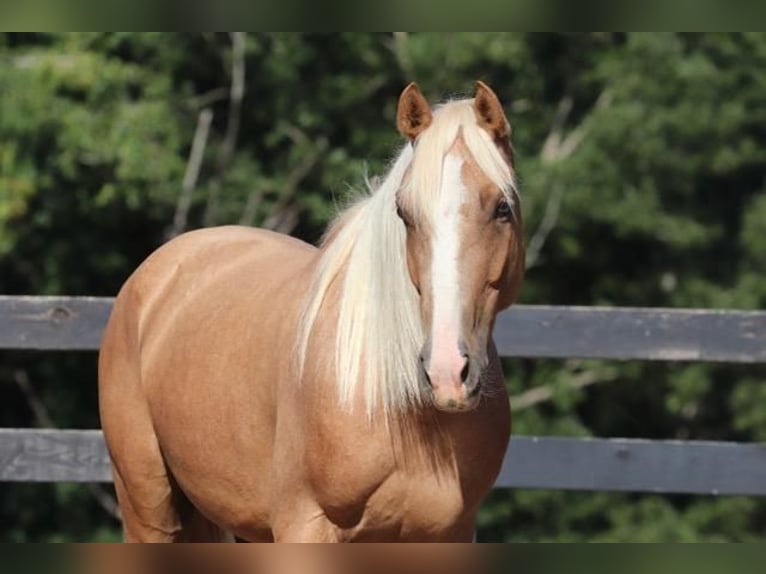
(427,377)
(465,370)
(424,370)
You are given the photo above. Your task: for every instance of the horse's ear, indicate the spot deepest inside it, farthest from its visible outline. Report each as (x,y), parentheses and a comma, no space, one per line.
(489,112)
(413,114)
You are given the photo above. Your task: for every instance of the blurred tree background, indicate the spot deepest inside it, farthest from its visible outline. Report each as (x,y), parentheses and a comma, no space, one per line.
(642,160)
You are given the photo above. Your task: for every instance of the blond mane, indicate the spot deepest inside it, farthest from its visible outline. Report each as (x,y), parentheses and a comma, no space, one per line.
(379,331)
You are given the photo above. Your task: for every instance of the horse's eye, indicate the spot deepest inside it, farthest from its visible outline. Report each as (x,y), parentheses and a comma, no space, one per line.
(503,210)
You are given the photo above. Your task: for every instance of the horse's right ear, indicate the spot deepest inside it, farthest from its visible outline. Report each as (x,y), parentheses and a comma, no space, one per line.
(413,114)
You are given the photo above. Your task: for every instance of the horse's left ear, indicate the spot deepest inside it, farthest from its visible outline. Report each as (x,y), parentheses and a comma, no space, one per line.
(489,112)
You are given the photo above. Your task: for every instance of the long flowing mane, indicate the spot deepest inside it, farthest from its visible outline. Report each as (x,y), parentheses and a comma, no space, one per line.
(379,330)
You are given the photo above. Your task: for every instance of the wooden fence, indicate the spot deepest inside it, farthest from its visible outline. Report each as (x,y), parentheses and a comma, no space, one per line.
(693,467)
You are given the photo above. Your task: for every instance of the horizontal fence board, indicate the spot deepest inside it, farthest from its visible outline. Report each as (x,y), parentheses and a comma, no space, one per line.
(76,323)
(42,455)
(630,465)
(53,323)
(632,333)
(31,455)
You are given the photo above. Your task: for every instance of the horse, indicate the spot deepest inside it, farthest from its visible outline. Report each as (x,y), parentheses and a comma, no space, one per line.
(255,387)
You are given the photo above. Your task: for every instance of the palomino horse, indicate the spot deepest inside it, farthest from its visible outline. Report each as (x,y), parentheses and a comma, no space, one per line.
(254,385)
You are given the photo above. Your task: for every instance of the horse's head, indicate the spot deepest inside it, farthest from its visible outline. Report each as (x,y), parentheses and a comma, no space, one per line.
(464,234)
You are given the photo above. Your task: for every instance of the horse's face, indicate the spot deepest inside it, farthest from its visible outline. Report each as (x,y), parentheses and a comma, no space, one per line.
(465,256)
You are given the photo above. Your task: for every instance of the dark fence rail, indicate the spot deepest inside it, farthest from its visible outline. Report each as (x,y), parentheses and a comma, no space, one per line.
(32,455)
(76,323)
(53,323)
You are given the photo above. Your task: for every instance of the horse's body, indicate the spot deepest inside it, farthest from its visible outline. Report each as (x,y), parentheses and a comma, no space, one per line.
(221,410)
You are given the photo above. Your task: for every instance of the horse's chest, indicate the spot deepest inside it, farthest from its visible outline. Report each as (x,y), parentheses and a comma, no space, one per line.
(425,484)
(394,502)
(418,507)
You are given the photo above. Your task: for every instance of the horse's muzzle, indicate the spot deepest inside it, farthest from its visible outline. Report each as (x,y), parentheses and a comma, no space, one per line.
(454,384)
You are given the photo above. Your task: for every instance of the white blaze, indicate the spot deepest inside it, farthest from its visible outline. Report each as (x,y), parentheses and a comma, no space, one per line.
(445,355)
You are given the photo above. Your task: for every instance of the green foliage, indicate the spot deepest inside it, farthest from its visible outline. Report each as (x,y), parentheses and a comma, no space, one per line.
(646,152)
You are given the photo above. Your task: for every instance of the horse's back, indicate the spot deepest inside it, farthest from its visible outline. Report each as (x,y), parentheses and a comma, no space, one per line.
(211,267)
(208,257)
(184,351)
(188,285)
